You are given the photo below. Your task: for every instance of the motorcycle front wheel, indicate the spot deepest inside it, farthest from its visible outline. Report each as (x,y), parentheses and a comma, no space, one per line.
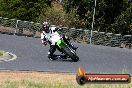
(71,54)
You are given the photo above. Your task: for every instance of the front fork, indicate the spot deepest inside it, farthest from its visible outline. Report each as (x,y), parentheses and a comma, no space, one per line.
(67,41)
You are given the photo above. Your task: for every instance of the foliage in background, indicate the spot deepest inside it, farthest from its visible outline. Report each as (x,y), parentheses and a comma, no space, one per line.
(123,22)
(57,16)
(54,15)
(111,15)
(108,14)
(22,9)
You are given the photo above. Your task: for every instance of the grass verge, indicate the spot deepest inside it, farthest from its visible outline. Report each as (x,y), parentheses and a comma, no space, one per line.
(33,84)
(47,80)
(1,53)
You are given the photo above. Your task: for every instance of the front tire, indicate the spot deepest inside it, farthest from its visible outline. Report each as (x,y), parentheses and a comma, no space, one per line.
(71,54)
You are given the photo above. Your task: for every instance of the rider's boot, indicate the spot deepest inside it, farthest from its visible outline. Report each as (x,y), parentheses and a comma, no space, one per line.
(51,56)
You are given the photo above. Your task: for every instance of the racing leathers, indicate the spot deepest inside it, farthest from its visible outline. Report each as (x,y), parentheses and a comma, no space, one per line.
(47,37)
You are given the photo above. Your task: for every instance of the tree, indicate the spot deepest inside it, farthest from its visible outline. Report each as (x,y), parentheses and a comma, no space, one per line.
(123,22)
(107,12)
(22,9)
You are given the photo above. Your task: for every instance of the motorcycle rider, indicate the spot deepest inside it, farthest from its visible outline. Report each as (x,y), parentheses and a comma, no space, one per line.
(47,33)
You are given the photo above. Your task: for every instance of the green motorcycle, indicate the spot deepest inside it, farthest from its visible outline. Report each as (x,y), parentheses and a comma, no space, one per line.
(68,51)
(65,49)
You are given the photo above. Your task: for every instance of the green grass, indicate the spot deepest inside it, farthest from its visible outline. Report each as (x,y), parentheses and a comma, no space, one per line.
(1,53)
(43,84)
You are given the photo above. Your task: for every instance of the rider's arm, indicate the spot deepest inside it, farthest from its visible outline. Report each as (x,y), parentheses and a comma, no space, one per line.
(43,39)
(57,28)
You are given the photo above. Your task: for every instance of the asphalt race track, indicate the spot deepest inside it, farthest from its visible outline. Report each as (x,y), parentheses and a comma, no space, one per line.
(32,55)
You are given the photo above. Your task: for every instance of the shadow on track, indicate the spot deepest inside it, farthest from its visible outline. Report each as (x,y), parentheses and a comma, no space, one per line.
(59,58)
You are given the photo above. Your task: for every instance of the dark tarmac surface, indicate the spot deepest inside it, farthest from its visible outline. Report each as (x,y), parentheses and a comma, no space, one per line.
(32,55)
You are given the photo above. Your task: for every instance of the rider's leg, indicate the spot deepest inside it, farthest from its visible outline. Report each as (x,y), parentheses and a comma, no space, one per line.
(67,40)
(62,56)
(51,51)
(57,47)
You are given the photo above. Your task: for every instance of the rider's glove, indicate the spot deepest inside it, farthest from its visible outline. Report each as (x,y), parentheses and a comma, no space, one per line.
(45,43)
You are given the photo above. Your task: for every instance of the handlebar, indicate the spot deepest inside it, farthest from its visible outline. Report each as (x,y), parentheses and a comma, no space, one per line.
(56,29)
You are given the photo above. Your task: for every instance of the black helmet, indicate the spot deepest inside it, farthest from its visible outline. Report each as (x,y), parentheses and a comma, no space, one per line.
(45,27)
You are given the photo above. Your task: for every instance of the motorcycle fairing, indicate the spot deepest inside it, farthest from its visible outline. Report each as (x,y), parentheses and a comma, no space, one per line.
(61,43)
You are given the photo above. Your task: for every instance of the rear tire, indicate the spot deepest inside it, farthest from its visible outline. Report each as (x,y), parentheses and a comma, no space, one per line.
(72,55)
